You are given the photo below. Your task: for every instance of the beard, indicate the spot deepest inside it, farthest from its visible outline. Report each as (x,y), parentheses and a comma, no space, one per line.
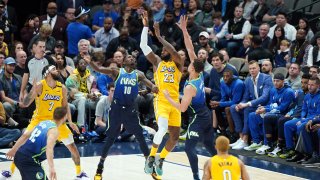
(166,57)
(55,77)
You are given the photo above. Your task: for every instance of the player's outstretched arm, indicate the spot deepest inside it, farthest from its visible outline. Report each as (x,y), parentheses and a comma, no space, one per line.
(147,82)
(244,172)
(11,153)
(207,170)
(177,59)
(35,90)
(187,38)
(52,137)
(105,70)
(147,51)
(188,92)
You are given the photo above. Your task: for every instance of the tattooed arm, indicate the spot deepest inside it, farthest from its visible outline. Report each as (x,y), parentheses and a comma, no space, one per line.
(34,92)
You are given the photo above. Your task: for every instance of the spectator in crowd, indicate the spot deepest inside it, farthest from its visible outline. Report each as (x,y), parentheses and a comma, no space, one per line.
(6,24)
(30,28)
(203,56)
(124,41)
(217,26)
(304,24)
(310,109)
(205,43)
(59,48)
(57,23)
(245,48)
(178,9)
(314,55)
(102,110)
(62,67)
(257,88)
(63,5)
(194,8)
(231,89)
(45,35)
(21,58)
(69,15)
(105,34)
(314,71)
(289,30)
(82,90)
(262,123)
(281,58)
(10,88)
(263,33)
(107,11)
(193,29)
(204,18)
(104,80)
(7,136)
(266,67)
(278,6)
(158,9)
(170,30)
(233,31)
(258,53)
(10,13)
(118,58)
(3,46)
(299,48)
(279,35)
(295,112)
(17,46)
(294,78)
(78,30)
(248,6)
(259,10)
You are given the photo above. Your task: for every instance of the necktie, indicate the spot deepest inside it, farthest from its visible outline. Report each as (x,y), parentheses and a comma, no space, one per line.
(50,21)
(6,12)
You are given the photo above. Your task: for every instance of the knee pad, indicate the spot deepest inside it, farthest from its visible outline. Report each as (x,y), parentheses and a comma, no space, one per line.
(162,130)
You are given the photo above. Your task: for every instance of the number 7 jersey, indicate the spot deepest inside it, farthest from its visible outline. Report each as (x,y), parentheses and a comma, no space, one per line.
(48,101)
(167,77)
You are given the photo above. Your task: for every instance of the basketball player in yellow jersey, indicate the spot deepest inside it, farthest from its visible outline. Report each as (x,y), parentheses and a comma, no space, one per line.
(50,94)
(167,74)
(224,166)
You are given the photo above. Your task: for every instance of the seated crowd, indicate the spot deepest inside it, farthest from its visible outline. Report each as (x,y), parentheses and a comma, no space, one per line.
(261,73)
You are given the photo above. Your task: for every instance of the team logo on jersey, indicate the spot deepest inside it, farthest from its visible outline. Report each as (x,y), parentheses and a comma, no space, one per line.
(128,81)
(194,134)
(39,175)
(168,69)
(51,97)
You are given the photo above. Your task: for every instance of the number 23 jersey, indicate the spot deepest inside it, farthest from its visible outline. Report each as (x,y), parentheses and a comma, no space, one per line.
(48,101)
(167,77)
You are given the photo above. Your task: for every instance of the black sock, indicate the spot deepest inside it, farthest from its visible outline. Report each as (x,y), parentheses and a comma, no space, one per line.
(281,143)
(269,140)
(196,176)
(100,166)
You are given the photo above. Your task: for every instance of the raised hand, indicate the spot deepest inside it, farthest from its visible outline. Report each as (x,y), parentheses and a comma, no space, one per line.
(183,22)
(86,57)
(145,19)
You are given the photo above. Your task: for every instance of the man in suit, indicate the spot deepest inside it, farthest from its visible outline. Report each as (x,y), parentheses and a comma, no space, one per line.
(257,87)
(57,23)
(63,5)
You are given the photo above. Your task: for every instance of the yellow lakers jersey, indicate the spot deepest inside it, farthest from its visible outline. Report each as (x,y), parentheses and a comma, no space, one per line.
(48,101)
(225,168)
(167,77)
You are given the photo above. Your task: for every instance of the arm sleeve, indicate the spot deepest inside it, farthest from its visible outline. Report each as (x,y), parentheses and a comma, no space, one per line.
(144,42)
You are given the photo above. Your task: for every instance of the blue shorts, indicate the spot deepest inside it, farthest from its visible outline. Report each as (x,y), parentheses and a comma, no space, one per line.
(126,115)
(200,125)
(30,168)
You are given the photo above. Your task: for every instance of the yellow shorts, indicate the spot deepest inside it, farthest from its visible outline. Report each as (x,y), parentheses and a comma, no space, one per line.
(65,135)
(166,110)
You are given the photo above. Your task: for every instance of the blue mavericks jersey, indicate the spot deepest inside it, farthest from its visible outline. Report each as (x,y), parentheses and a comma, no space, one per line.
(126,87)
(199,101)
(36,144)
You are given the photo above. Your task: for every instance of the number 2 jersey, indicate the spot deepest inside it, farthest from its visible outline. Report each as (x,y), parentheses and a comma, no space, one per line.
(167,77)
(48,101)
(35,146)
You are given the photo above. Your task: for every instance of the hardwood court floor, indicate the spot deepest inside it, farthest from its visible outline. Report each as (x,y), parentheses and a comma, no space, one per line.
(120,167)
